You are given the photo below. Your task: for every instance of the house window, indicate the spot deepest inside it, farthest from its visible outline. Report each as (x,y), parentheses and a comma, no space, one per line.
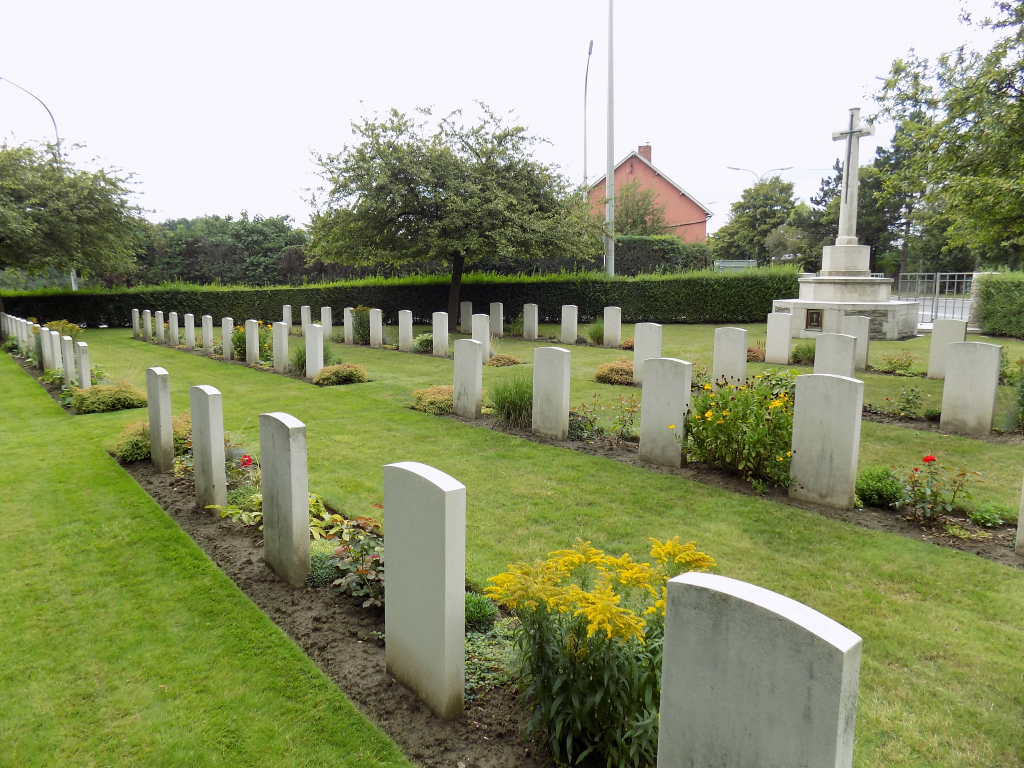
(813,319)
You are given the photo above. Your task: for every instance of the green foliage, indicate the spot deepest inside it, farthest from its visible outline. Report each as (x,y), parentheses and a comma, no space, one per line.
(107,397)
(490,659)
(133,444)
(989,515)
(762,208)
(438,399)
(898,363)
(700,376)
(360,559)
(637,211)
(623,418)
(298,359)
(662,254)
(10,344)
(424,343)
(361,325)
(52,376)
(905,404)
(480,612)
(595,331)
(64,328)
(618,372)
(583,423)
(512,399)
(321,570)
(933,489)
(803,353)
(1001,304)
(879,487)
(343,373)
(934,414)
(514,327)
(265,332)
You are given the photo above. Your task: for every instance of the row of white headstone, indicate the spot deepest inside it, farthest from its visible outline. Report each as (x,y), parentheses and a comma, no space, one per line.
(50,350)
(494,322)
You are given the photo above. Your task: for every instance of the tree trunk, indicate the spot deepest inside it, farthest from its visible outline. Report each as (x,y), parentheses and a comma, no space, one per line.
(458,263)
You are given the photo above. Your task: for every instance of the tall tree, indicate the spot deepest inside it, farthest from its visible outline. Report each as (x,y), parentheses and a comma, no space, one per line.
(413,192)
(762,208)
(637,211)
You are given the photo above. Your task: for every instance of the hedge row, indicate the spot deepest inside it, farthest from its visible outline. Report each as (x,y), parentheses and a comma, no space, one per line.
(695,297)
(1000,300)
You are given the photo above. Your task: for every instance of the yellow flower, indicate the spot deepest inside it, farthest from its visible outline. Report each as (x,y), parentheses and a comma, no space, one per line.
(707,386)
(774,404)
(671,426)
(778,458)
(708,415)
(789,454)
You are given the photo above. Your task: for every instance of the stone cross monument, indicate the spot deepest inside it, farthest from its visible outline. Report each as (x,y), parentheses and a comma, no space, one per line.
(846,258)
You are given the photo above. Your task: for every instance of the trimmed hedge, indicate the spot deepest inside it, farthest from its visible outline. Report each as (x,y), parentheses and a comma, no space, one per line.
(692,297)
(1001,304)
(635,255)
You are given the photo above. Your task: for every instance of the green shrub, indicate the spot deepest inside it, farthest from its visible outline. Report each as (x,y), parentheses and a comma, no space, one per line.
(64,328)
(898,363)
(1000,301)
(989,515)
(514,327)
(661,254)
(512,400)
(502,361)
(905,404)
(321,568)
(298,359)
(932,490)
(424,343)
(480,612)
(879,487)
(619,372)
(627,343)
(345,373)
(803,353)
(107,397)
(10,344)
(265,332)
(360,560)
(583,424)
(361,325)
(595,331)
(934,414)
(133,444)
(438,399)
(700,376)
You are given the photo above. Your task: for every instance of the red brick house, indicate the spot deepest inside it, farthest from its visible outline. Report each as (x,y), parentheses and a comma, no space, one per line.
(684,214)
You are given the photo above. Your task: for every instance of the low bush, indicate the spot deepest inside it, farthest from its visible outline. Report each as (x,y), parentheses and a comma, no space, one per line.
(583,424)
(297,359)
(595,331)
(934,414)
(990,515)
(107,397)
(501,361)
(361,325)
(265,333)
(1000,303)
(590,635)
(481,612)
(627,343)
(933,490)
(438,399)
(133,445)
(322,571)
(905,404)
(512,400)
(898,363)
(619,372)
(345,373)
(879,487)
(64,328)
(360,559)
(424,343)
(699,376)
(514,327)
(803,353)
(755,354)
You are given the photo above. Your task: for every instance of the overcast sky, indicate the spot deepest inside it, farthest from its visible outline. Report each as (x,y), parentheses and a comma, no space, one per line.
(215,106)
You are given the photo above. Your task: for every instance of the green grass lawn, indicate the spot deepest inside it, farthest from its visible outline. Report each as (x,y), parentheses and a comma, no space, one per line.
(942,680)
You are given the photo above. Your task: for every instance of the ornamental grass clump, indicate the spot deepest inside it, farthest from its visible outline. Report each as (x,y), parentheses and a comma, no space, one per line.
(595,331)
(361,325)
(746,429)
(512,400)
(589,639)
(619,372)
(345,373)
(438,399)
(107,397)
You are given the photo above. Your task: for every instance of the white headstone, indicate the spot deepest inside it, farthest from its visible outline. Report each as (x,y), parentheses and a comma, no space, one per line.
(136,328)
(425,615)
(159,322)
(971,387)
(752,678)
(327,323)
(944,333)
(466,316)
(44,344)
(227,328)
(530,322)
(281,347)
(613,327)
(172,329)
(570,330)
(161,430)
(349,328)
(376,329)
(208,446)
(439,334)
(835,354)
(1018,546)
(859,327)
(826,439)
(551,392)
(56,352)
(730,361)
(497,319)
(404,330)
(467,382)
(208,334)
(147,325)
(285,484)
(646,345)
(82,361)
(252,342)
(832,320)
(67,357)
(305,317)
(286,316)
(664,401)
(779,338)
(482,333)
(314,350)
(190,331)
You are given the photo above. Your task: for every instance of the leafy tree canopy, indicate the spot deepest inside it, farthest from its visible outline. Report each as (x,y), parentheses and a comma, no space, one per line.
(763,207)
(637,211)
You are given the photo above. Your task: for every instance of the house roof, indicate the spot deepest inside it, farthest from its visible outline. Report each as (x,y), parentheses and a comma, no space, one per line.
(654,168)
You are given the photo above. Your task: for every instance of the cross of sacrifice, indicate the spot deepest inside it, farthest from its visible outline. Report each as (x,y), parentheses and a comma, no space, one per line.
(848,203)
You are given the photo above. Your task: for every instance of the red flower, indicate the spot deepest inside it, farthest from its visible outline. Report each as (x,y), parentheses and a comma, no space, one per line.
(928,459)
(915,469)
(246,461)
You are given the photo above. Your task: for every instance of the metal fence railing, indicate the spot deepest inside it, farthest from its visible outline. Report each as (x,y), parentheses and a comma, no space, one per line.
(734,265)
(945,295)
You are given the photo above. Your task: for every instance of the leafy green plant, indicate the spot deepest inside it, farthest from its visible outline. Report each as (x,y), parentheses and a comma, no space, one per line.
(502,361)
(361,325)
(297,359)
(934,414)
(898,363)
(514,327)
(619,372)
(52,376)
(491,659)
(512,399)
(989,515)
(424,343)
(133,444)
(595,331)
(700,376)
(344,373)
(64,328)
(107,397)
(10,344)
(438,399)
(803,353)
(481,612)
(879,487)
(583,423)
(321,570)
(265,334)
(623,418)
(933,490)
(360,559)
(905,404)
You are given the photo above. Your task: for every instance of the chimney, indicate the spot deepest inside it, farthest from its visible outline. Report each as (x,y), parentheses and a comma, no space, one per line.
(644,150)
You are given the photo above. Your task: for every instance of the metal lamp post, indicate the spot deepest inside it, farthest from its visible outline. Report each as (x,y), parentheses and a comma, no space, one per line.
(586,78)
(761,176)
(609,209)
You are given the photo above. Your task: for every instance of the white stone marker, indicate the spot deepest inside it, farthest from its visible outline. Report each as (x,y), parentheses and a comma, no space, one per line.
(944,333)
(82,362)
(136,332)
(832,320)
(826,439)
(551,392)
(425,615)
(1018,546)
(281,346)
(252,342)
(286,316)
(570,330)
(439,334)
(530,323)
(285,497)
(376,328)
(730,361)
(208,334)
(161,431)
(327,323)
(190,331)
(482,333)
(646,345)
(404,330)
(227,327)
(172,329)
(305,318)
(314,350)
(664,401)
(147,325)
(467,381)
(67,357)
(836,354)
(971,387)
(497,319)
(55,351)
(158,321)
(208,446)
(466,316)
(859,327)
(613,327)
(349,328)
(753,678)
(779,339)
(45,346)
(37,342)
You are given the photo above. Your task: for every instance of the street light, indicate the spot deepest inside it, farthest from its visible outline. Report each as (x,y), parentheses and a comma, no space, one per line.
(586,78)
(760,177)
(609,179)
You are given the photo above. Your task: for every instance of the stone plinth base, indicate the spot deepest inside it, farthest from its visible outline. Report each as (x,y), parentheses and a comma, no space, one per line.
(858,289)
(890,320)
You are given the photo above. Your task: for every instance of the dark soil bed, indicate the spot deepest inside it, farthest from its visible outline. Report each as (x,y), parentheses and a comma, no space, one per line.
(335,632)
